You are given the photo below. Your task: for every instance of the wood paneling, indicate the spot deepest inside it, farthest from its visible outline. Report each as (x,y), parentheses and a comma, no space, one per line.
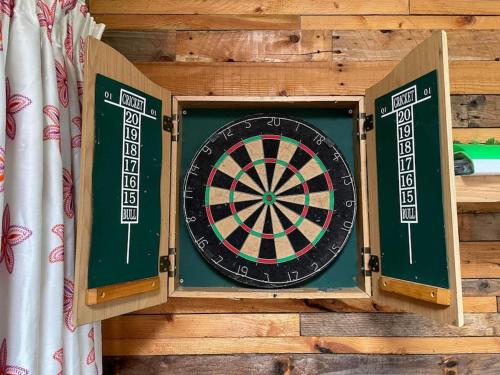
(297,45)
(479,189)
(400,22)
(480,259)
(454,7)
(206,325)
(199,22)
(481,287)
(370,45)
(479,227)
(476,111)
(487,289)
(362,324)
(302,344)
(314,78)
(259,46)
(296,364)
(143,45)
(471,135)
(255,7)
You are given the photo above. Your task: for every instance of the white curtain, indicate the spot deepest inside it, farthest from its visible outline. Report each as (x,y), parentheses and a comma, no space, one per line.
(41,72)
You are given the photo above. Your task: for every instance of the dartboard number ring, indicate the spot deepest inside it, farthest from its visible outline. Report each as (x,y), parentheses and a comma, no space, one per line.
(269,201)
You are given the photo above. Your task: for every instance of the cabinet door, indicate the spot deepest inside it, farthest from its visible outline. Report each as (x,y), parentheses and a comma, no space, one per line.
(124,189)
(412,204)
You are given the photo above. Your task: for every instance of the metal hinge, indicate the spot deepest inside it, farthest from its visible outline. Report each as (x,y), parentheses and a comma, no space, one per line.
(367,124)
(168,125)
(373,264)
(171,262)
(164,263)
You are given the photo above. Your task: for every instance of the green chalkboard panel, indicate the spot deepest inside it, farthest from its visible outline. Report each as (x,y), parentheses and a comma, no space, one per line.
(125,184)
(411,216)
(197,126)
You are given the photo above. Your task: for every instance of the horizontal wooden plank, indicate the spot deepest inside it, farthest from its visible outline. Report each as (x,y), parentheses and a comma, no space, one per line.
(295,46)
(478,189)
(481,287)
(485,288)
(454,7)
(256,7)
(198,22)
(480,304)
(202,325)
(304,78)
(258,46)
(230,345)
(472,77)
(412,325)
(476,111)
(480,259)
(366,45)
(480,135)
(143,45)
(296,364)
(478,207)
(479,227)
(401,22)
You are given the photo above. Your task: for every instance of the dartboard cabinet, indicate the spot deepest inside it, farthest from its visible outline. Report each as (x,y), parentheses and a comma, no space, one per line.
(308,197)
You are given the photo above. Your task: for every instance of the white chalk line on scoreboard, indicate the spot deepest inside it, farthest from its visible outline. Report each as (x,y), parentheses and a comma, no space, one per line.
(406,106)
(129,109)
(128,243)
(409,243)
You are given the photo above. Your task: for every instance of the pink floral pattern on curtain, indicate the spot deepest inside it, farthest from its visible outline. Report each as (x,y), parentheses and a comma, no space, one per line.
(41,70)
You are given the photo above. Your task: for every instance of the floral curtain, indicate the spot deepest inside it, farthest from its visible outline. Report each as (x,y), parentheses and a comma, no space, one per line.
(42,50)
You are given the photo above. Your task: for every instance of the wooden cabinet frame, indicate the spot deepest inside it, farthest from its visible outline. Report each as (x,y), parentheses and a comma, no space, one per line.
(430,55)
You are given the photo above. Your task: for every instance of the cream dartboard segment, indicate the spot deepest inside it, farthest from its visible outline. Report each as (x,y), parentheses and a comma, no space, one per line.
(269,200)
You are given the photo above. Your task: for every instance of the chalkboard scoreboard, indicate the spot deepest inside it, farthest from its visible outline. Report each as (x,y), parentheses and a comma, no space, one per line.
(126,184)
(409,176)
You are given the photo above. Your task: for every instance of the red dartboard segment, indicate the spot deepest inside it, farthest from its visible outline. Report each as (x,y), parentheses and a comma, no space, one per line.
(234,147)
(307,150)
(247,239)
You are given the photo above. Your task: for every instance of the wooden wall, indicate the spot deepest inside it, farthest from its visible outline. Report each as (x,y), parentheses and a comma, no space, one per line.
(322,47)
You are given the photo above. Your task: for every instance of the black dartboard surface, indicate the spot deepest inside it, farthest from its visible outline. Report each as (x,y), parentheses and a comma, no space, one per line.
(269,200)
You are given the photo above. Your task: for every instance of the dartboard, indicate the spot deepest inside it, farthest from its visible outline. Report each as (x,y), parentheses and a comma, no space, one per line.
(269,200)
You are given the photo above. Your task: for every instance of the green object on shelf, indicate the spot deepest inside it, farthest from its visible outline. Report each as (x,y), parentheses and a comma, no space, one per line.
(476,159)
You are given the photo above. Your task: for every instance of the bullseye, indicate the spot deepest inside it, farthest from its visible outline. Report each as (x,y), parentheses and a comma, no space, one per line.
(269,198)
